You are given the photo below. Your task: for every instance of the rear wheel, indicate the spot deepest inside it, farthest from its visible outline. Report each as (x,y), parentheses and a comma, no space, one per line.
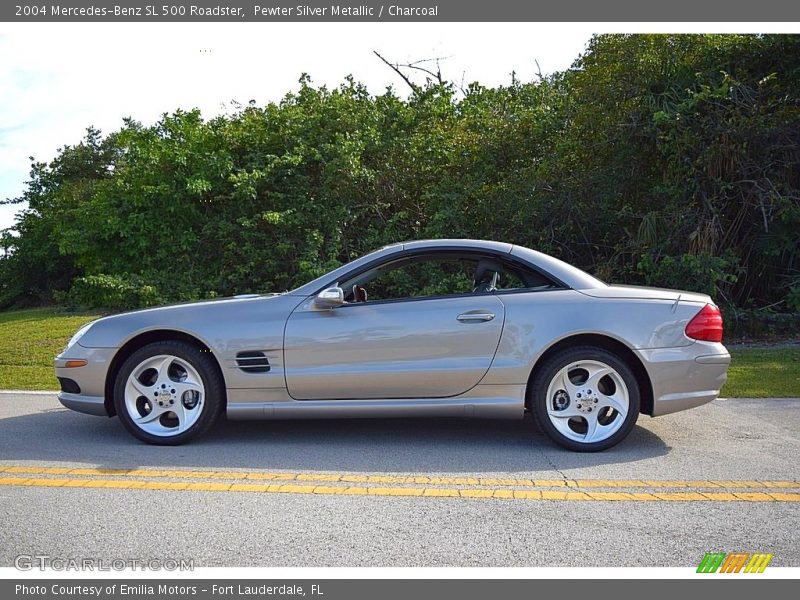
(585,398)
(167,393)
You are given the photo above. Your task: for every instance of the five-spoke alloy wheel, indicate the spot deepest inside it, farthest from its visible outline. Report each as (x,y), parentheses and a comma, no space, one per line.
(585,398)
(168,392)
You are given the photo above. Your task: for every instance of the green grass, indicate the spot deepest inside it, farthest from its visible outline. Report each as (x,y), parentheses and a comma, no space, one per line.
(763,373)
(29,339)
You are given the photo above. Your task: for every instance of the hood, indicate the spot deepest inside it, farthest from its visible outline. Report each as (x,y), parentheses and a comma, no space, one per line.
(193,304)
(200,319)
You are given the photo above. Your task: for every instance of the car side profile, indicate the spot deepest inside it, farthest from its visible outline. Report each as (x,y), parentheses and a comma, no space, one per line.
(434,328)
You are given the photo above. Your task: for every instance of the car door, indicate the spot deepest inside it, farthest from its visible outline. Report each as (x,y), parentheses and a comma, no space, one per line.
(417,347)
(426,348)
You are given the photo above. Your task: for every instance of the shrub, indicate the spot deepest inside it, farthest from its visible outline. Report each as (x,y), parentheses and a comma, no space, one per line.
(115,292)
(693,272)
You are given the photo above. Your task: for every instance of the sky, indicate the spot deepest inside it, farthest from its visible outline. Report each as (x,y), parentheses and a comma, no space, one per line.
(56,80)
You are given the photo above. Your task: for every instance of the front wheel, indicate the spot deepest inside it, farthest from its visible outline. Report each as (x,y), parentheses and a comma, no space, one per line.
(168,392)
(585,399)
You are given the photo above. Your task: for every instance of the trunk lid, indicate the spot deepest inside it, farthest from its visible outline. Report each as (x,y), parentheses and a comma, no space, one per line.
(634,292)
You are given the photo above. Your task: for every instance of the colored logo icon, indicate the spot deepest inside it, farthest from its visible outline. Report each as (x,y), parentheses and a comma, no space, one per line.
(736,562)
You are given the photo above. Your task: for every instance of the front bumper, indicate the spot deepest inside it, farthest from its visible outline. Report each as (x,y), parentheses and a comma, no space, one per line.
(90,405)
(687,376)
(90,379)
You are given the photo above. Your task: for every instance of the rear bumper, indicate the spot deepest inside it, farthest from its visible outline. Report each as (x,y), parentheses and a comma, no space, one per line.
(685,377)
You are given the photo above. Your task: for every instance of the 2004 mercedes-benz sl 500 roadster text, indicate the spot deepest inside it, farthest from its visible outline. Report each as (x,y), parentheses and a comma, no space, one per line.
(427,328)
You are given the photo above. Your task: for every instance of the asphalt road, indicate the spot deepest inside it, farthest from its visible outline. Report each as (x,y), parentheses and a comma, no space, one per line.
(723,477)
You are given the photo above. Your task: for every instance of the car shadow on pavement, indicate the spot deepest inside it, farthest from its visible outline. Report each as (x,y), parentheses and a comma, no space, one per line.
(354,445)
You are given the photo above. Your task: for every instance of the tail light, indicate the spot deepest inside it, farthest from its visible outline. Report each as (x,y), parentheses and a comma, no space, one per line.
(706,325)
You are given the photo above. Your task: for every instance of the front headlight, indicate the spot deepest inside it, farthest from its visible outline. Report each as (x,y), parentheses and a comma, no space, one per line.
(78,335)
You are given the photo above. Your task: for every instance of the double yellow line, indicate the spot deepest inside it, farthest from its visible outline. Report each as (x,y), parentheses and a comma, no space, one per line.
(349,484)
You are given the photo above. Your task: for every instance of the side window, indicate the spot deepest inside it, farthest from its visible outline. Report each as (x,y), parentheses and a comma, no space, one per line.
(518,277)
(416,277)
(442,275)
(509,280)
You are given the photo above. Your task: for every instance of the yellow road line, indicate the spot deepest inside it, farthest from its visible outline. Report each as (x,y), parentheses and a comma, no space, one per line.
(586,484)
(291,488)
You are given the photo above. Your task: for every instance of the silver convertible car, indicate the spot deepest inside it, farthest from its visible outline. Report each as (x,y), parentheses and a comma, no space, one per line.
(439,328)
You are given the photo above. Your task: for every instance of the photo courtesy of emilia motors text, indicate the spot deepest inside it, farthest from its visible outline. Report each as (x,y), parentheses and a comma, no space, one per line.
(423,299)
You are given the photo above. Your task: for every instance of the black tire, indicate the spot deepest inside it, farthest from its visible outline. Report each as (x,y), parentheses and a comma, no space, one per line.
(206,367)
(538,400)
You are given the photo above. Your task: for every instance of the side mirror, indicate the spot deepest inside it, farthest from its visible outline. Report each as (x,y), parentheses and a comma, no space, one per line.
(330,298)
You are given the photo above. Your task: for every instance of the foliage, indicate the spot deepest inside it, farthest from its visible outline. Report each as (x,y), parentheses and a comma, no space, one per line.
(701,272)
(116,292)
(763,373)
(670,160)
(766,325)
(29,340)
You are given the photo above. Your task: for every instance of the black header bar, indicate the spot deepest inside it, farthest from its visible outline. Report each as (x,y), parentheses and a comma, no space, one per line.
(727,11)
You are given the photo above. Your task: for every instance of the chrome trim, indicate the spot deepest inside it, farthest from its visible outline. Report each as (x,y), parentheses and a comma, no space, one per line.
(468,317)
(714,359)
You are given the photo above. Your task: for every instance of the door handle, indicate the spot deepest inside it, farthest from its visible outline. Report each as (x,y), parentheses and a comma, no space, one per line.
(474,316)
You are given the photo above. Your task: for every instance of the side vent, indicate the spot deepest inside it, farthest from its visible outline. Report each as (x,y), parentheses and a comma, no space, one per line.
(253,362)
